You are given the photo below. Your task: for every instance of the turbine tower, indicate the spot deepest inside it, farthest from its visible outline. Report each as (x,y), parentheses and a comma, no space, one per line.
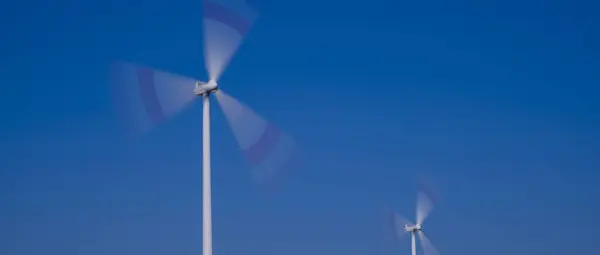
(157,95)
(205,90)
(402,226)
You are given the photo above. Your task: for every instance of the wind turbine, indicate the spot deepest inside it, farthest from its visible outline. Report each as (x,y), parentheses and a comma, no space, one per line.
(160,95)
(403,226)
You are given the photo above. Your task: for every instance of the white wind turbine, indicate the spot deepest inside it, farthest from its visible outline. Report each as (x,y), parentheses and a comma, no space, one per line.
(403,226)
(159,95)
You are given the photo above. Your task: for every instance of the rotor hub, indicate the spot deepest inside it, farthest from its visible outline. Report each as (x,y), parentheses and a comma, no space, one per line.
(413,228)
(204,88)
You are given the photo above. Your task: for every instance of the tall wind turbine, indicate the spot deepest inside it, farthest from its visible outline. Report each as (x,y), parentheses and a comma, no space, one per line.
(402,226)
(158,95)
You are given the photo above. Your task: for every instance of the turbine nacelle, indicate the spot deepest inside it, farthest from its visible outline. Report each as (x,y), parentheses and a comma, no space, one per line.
(205,87)
(412,228)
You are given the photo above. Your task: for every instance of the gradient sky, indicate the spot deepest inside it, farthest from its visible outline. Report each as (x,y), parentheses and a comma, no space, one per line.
(496,101)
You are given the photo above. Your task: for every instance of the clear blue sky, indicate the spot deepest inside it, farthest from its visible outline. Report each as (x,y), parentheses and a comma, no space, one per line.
(495,100)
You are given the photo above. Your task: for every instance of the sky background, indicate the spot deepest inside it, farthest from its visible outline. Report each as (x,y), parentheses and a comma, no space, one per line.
(496,101)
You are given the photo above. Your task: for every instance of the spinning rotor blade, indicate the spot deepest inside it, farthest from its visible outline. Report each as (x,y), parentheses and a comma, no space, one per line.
(428,248)
(425,202)
(145,97)
(265,147)
(398,223)
(226,23)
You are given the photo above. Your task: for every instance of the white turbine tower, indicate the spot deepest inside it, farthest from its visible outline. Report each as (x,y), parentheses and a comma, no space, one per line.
(402,226)
(159,95)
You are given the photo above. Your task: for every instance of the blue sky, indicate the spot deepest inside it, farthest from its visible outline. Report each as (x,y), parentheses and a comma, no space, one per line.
(496,101)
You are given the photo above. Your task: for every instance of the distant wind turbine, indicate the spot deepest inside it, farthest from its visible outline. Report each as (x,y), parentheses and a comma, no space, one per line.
(402,226)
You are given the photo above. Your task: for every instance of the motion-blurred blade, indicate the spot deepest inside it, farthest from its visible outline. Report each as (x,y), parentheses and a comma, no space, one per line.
(145,97)
(226,23)
(428,248)
(398,224)
(426,199)
(265,147)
